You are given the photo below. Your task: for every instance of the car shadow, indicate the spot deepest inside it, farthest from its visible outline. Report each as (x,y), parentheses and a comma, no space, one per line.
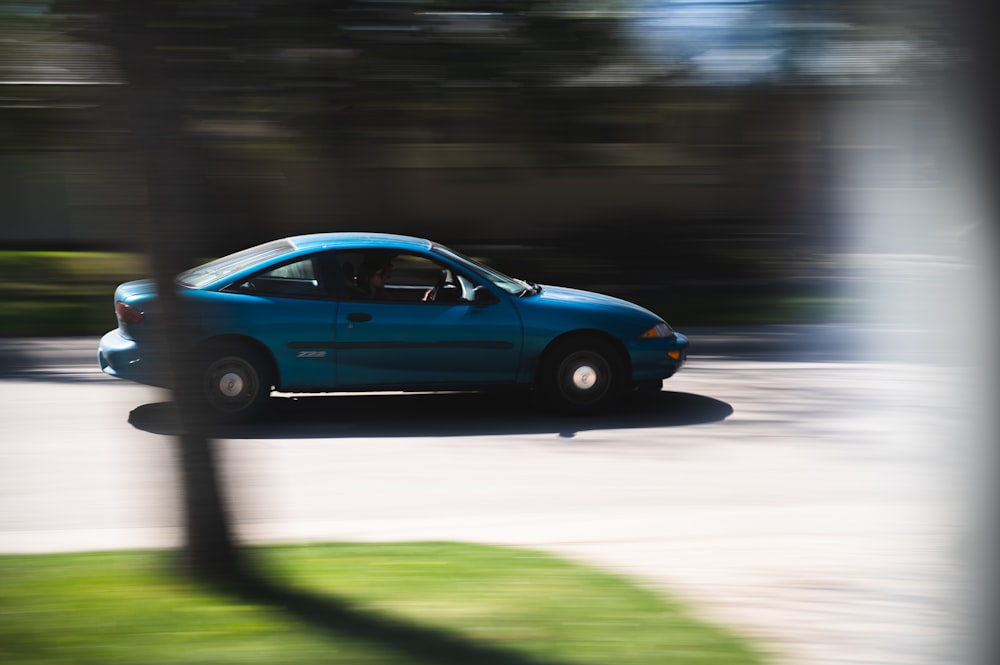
(440,415)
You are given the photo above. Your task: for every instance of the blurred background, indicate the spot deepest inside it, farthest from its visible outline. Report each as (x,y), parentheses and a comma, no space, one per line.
(721,161)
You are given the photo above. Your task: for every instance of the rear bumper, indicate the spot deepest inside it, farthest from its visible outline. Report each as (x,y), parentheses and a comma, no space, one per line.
(125,359)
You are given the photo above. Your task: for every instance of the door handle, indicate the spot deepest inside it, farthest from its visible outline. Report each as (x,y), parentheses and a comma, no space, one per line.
(359,317)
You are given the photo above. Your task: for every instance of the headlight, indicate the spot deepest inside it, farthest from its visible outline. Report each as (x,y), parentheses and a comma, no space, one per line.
(659,330)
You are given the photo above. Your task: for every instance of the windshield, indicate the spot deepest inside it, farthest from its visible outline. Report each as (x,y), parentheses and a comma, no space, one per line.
(228,265)
(509,284)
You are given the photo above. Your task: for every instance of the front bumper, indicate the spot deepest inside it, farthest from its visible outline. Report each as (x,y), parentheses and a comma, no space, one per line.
(124,359)
(658,358)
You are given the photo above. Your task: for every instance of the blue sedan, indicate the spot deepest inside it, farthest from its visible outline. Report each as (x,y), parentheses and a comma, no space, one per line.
(349,312)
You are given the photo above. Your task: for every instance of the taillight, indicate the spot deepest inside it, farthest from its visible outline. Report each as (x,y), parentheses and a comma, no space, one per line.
(127,314)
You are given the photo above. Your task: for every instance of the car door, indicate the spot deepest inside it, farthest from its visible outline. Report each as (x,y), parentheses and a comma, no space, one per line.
(402,341)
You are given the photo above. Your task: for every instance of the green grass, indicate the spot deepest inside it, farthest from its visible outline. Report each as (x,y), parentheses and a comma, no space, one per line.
(411,603)
(62,293)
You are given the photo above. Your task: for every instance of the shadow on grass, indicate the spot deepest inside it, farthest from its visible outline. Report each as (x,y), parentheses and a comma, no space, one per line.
(439,415)
(415,415)
(339,619)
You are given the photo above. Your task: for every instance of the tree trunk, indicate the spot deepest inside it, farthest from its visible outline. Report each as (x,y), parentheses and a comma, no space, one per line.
(169,157)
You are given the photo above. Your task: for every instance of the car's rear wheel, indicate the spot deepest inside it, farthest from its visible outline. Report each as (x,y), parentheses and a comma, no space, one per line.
(582,376)
(236,383)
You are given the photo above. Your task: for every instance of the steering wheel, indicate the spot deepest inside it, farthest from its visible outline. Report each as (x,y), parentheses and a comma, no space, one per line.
(442,279)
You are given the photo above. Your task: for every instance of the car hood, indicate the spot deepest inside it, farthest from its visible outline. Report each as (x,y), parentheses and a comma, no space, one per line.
(559,295)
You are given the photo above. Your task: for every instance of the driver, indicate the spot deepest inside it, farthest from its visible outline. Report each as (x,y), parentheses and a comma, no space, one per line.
(373,275)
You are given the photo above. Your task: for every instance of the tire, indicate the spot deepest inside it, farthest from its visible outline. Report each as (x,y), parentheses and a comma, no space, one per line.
(236,384)
(582,376)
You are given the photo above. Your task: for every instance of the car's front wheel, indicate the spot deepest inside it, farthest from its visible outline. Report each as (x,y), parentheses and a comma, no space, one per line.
(582,376)
(236,383)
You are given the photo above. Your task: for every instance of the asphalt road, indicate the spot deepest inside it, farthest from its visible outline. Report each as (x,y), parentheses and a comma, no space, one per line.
(820,502)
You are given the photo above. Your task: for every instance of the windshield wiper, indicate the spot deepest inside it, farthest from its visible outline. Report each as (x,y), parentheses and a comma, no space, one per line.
(530,288)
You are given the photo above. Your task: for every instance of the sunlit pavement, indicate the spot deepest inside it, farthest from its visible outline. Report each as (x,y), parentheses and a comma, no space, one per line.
(824,507)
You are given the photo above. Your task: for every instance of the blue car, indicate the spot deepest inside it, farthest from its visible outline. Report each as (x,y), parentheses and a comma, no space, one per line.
(355,312)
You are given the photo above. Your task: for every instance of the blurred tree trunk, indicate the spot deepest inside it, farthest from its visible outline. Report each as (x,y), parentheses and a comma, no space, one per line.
(978,90)
(154,97)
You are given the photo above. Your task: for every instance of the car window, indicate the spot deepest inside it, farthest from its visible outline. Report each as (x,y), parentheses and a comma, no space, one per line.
(412,271)
(227,265)
(296,270)
(295,279)
(403,277)
(508,284)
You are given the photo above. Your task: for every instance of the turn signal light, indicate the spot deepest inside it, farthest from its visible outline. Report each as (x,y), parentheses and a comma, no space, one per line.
(127,314)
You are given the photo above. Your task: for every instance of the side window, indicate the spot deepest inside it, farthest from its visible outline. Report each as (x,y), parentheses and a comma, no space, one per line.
(346,267)
(297,270)
(399,277)
(410,271)
(299,278)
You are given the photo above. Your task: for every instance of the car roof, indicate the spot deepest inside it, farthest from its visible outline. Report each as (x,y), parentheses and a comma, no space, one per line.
(357,239)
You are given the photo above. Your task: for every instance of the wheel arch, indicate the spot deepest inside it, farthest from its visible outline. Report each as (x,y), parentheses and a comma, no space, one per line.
(579,336)
(221,343)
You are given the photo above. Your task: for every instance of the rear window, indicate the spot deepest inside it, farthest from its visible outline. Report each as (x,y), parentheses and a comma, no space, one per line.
(233,263)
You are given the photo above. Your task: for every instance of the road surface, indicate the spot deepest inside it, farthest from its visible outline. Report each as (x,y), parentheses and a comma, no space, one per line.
(822,507)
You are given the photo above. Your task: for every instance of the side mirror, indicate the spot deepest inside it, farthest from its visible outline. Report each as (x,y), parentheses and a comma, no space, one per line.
(482,296)
(476,295)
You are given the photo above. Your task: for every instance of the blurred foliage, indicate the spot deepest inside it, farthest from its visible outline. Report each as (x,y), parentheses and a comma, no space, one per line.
(62,293)
(325,77)
(727,147)
(129,607)
(350,78)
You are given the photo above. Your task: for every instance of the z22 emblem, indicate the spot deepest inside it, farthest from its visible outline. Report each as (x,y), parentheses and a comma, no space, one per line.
(312,354)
